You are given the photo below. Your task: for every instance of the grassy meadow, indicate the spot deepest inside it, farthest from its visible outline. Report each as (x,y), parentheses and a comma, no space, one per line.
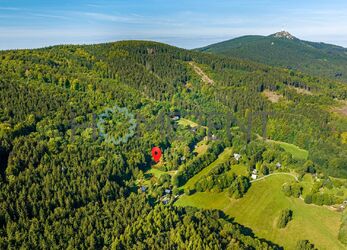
(260,208)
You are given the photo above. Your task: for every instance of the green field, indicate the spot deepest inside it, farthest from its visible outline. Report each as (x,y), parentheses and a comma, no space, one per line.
(239,170)
(297,153)
(156,172)
(261,206)
(225,155)
(186,122)
(307,183)
(201,147)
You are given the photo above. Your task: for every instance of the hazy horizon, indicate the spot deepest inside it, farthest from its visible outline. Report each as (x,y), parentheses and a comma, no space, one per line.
(184,24)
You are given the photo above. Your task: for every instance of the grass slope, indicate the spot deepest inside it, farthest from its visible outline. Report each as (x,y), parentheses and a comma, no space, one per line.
(261,206)
(297,153)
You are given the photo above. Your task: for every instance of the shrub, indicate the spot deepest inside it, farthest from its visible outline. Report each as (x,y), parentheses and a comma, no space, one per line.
(285,216)
(304,245)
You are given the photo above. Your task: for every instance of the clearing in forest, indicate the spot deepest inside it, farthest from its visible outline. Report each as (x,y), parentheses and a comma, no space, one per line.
(272,96)
(201,147)
(186,122)
(205,78)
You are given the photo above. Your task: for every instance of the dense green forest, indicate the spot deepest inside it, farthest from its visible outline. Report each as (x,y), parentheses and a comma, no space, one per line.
(64,184)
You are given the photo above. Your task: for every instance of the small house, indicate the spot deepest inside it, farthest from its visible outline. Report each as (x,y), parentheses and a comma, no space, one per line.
(194,129)
(254,176)
(143,189)
(255,171)
(167,191)
(237,156)
(175,118)
(278,165)
(166,201)
(213,137)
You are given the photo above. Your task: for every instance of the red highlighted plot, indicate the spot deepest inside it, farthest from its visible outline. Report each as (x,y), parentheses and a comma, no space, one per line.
(156,154)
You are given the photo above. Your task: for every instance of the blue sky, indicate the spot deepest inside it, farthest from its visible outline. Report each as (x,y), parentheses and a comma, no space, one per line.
(187,24)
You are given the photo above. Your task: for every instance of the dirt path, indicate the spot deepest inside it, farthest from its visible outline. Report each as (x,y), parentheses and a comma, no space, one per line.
(262,178)
(201,73)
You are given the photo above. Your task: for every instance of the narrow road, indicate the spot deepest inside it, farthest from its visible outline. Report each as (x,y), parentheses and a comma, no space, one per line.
(261,178)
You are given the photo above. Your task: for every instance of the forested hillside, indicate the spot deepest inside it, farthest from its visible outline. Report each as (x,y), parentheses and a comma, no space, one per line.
(285,50)
(77,125)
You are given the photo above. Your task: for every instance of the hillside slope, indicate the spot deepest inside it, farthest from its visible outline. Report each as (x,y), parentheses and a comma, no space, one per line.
(283,49)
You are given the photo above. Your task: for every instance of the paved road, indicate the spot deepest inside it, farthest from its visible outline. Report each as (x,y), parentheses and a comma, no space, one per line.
(261,178)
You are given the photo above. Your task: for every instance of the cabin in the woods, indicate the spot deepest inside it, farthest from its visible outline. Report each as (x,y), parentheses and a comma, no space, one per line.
(175,118)
(237,156)
(166,200)
(254,175)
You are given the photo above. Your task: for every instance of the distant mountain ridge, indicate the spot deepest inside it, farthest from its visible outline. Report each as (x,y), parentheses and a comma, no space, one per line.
(285,50)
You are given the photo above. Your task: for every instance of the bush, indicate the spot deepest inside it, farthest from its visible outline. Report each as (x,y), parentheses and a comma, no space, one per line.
(308,199)
(285,216)
(322,199)
(304,245)
(340,193)
(293,189)
(189,191)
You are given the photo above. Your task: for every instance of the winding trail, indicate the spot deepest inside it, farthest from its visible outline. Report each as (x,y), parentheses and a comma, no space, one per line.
(261,178)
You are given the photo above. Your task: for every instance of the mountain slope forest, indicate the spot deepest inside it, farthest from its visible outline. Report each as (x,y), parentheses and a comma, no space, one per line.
(77,125)
(283,49)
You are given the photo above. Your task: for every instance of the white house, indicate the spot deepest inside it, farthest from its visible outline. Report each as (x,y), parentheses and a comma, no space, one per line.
(175,118)
(237,156)
(254,176)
